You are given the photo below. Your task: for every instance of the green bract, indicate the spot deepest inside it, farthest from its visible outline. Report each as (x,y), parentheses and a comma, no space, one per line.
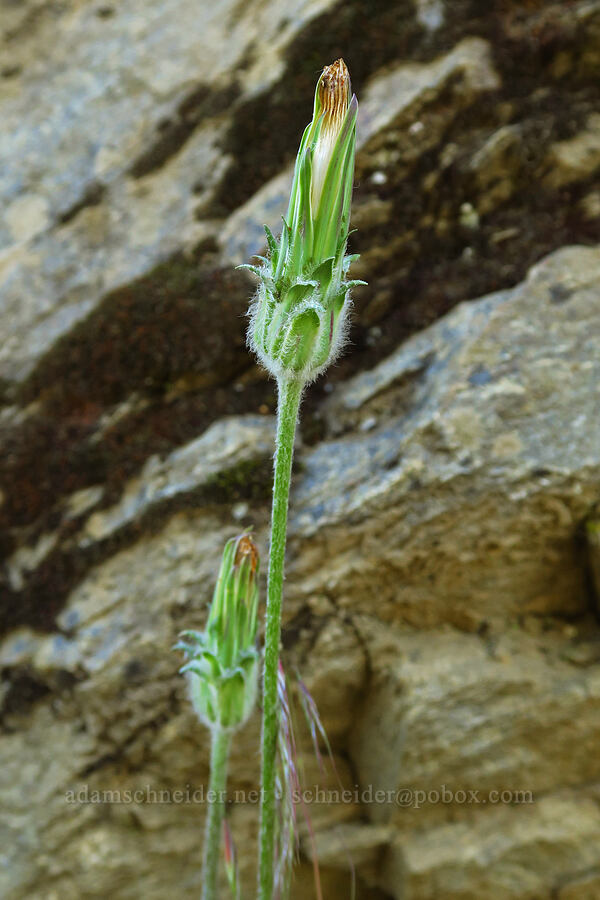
(222,665)
(300,309)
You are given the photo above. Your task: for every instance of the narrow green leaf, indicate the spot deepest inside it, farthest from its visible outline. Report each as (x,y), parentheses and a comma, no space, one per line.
(271,241)
(254,269)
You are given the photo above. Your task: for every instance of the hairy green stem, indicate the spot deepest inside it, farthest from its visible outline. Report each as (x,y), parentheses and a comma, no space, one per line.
(290,392)
(219,755)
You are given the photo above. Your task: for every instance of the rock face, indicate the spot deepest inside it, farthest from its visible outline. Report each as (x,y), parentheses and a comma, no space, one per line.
(442,586)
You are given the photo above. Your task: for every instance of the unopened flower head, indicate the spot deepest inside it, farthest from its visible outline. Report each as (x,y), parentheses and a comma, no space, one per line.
(299,313)
(222,661)
(333,91)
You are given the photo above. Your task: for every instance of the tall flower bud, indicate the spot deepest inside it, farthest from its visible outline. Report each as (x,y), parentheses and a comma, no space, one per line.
(333,91)
(297,319)
(222,666)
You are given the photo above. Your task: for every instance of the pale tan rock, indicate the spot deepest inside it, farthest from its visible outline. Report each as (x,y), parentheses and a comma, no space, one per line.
(447,715)
(484,859)
(478,399)
(334,671)
(362,843)
(575,159)
(27,216)
(585,888)
(224,446)
(495,166)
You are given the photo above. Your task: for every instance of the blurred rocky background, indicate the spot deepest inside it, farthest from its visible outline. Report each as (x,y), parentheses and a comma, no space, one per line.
(444,552)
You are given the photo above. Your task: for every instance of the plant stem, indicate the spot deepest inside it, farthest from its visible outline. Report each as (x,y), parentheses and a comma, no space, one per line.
(290,392)
(219,755)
